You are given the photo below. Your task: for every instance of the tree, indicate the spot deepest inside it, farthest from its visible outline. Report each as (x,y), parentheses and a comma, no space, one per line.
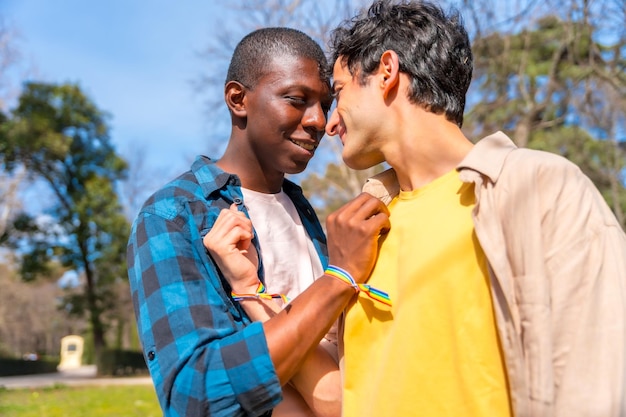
(61,138)
(558,84)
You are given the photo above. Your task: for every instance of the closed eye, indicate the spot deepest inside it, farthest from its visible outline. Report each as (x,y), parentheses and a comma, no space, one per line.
(297,100)
(335,90)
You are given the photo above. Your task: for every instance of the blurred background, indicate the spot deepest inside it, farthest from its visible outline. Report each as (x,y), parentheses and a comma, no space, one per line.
(103,102)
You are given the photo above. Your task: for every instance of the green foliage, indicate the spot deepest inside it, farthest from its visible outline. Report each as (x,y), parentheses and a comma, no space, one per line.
(36,262)
(62,139)
(62,401)
(54,128)
(554,87)
(537,66)
(578,146)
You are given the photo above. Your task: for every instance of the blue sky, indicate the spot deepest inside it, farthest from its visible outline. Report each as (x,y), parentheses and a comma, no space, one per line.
(136,59)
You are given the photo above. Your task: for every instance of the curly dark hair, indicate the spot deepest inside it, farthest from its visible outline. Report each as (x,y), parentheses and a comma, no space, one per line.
(433,49)
(256,50)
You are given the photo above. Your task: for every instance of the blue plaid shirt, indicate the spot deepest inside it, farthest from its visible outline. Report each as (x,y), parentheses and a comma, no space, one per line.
(205,356)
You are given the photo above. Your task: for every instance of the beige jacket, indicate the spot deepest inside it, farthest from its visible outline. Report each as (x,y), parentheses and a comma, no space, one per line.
(557,260)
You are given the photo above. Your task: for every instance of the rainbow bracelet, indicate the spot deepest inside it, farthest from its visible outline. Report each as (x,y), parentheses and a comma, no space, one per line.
(261,292)
(373,293)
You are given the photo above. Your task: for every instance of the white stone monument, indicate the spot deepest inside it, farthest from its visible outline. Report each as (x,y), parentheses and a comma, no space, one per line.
(71,353)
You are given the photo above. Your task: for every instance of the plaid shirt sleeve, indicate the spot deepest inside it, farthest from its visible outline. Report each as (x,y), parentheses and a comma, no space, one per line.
(205,357)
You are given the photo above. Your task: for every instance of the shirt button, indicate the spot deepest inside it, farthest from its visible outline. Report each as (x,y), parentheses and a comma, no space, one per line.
(237,200)
(151,355)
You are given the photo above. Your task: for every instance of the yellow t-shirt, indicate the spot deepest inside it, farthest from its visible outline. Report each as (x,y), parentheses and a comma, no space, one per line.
(435,352)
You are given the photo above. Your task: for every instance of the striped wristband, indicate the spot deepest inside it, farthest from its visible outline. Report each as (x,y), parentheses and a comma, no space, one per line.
(373,293)
(261,292)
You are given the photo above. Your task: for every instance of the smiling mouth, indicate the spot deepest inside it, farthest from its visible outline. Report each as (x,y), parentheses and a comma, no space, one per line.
(305,145)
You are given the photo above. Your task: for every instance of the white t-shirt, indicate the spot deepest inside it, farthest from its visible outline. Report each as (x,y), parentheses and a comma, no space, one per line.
(290,260)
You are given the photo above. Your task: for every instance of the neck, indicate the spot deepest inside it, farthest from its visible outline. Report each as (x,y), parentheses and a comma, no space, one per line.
(427,147)
(252,175)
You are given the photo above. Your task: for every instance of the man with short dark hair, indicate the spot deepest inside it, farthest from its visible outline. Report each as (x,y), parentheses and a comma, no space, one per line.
(224,348)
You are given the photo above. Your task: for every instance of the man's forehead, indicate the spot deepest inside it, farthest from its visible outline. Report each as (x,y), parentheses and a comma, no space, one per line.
(340,64)
(292,64)
(341,73)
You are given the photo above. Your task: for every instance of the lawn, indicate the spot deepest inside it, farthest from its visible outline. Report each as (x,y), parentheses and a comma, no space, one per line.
(63,401)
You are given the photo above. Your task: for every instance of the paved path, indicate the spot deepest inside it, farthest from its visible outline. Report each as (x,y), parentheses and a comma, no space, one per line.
(85,375)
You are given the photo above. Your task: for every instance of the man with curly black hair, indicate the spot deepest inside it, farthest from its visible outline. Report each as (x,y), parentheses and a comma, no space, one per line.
(506,267)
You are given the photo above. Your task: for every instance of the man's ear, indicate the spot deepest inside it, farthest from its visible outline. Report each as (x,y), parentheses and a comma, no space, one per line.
(389,67)
(235,97)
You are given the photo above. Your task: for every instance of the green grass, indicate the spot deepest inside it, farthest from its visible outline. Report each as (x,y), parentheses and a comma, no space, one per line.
(63,401)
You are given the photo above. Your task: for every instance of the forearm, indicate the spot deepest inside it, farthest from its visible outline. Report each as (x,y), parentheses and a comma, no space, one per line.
(317,379)
(319,382)
(296,331)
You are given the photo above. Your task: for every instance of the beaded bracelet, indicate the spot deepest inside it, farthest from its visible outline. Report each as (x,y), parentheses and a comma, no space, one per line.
(373,293)
(261,292)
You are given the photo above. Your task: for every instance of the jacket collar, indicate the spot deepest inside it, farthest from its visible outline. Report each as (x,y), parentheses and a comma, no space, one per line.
(488,155)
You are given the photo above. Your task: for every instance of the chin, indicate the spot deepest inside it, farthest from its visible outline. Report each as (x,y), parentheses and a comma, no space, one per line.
(360,162)
(296,170)
(354,163)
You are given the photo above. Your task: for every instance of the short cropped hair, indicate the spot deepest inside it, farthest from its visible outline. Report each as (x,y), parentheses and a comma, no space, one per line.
(433,49)
(256,50)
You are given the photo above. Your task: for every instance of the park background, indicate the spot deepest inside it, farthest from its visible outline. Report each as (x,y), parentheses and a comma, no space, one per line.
(103,102)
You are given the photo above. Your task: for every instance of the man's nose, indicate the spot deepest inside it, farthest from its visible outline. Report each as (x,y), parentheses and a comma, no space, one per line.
(333,122)
(315,117)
